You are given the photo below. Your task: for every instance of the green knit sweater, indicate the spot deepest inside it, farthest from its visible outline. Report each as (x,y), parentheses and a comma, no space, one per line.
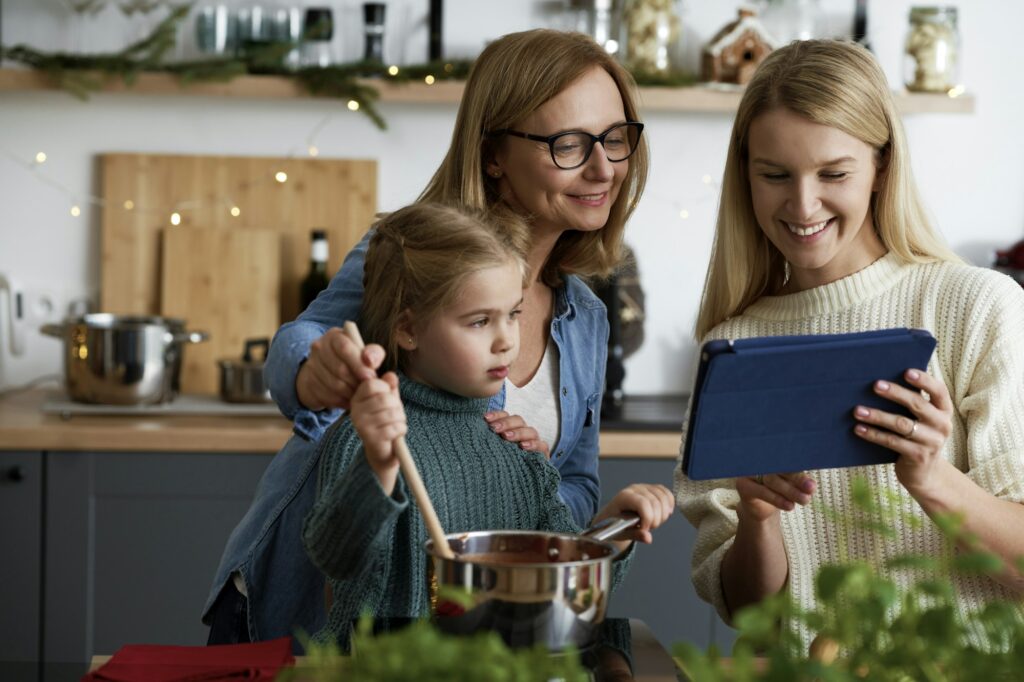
(370,545)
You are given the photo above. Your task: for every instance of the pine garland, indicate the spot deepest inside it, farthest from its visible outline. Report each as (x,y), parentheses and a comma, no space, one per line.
(81,74)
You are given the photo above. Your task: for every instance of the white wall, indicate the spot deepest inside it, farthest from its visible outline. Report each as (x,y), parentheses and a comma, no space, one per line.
(970,167)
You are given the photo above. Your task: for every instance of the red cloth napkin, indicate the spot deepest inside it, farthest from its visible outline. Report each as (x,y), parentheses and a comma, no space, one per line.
(161,663)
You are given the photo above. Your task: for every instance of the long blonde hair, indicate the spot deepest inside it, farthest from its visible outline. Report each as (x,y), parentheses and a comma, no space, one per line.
(834,83)
(511,79)
(417,262)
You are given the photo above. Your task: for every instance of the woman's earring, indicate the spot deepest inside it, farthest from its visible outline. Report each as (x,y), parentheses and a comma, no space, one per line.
(495,173)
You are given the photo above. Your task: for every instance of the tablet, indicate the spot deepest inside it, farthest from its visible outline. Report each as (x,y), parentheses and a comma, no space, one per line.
(781,404)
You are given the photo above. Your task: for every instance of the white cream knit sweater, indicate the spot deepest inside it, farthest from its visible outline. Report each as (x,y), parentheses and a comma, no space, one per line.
(977,317)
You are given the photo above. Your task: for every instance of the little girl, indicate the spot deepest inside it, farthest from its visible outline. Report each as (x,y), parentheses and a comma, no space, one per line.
(443,295)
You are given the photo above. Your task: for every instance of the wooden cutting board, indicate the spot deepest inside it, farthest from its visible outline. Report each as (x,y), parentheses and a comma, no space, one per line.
(224,282)
(339,195)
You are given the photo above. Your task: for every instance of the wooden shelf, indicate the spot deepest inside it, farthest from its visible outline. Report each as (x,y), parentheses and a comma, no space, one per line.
(697,99)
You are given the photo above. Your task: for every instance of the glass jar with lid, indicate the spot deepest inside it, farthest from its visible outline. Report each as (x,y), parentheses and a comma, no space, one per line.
(932,50)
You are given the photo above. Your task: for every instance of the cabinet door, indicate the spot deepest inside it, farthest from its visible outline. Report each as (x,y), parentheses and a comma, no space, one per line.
(132,543)
(658,589)
(21,489)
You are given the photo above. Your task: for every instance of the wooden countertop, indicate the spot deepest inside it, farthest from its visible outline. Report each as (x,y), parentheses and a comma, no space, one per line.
(23,426)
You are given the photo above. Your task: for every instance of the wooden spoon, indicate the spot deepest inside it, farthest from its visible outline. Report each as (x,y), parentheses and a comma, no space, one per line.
(411,473)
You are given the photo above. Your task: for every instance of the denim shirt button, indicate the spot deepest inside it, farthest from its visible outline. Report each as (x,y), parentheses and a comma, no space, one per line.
(565,391)
(559,454)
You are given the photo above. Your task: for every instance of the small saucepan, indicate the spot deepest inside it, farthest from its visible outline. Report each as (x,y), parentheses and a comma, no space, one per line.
(241,381)
(529,587)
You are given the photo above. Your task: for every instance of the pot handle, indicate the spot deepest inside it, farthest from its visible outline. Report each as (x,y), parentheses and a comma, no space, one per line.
(609,528)
(56,330)
(190,337)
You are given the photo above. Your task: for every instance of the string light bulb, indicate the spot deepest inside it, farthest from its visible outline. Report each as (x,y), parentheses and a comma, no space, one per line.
(281,177)
(41,157)
(429,80)
(706,179)
(353,105)
(76,211)
(684,214)
(128,204)
(235,211)
(313,151)
(175,218)
(392,70)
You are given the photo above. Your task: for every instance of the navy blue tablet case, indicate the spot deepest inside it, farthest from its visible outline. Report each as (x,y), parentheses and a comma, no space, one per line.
(785,403)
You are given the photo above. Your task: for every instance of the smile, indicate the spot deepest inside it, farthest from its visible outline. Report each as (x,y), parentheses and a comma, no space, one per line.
(807,230)
(590,198)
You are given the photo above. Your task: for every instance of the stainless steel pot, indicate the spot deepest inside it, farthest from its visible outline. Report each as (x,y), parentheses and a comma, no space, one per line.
(241,381)
(529,587)
(122,359)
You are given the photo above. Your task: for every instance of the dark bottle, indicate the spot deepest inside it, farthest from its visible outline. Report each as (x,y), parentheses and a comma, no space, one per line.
(373,22)
(317,279)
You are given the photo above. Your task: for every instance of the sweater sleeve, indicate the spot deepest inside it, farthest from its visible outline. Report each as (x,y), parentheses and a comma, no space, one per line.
(710,507)
(352,517)
(992,369)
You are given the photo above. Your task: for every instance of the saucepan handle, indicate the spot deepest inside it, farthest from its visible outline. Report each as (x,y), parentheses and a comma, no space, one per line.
(190,337)
(56,330)
(609,528)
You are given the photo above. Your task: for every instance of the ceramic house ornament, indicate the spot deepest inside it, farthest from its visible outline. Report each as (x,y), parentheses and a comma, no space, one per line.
(737,50)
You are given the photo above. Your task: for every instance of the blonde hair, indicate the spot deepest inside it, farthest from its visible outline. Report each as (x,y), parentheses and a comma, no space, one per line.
(417,262)
(511,79)
(834,83)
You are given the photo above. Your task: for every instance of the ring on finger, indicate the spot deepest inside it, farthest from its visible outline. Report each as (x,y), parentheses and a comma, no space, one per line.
(760,479)
(913,429)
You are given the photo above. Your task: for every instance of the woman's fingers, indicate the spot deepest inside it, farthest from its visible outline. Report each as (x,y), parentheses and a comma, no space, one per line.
(780,491)
(514,429)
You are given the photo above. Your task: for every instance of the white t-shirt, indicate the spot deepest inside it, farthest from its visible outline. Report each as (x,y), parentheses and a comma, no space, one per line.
(537,401)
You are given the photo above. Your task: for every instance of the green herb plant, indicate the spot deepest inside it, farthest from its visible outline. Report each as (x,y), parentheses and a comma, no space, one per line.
(867,628)
(421,652)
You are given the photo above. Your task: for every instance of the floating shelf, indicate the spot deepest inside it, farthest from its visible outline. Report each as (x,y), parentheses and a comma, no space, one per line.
(699,99)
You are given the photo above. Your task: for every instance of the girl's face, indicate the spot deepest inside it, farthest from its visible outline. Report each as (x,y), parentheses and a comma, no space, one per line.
(811,187)
(557,199)
(468,347)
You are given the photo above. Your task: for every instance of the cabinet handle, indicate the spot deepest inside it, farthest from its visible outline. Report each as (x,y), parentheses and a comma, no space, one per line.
(16,473)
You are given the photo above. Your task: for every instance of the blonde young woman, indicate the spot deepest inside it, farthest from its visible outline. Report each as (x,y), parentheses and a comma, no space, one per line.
(547,133)
(821,231)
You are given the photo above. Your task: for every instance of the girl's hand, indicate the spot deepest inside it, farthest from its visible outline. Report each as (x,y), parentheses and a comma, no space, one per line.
(919,439)
(762,497)
(333,370)
(514,429)
(379,419)
(653,503)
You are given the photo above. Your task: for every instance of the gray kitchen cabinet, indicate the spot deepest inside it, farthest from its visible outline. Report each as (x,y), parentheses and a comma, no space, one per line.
(658,589)
(21,495)
(131,544)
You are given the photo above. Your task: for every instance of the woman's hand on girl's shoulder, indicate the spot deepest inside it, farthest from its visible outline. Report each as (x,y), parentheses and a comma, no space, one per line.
(917,439)
(652,502)
(379,418)
(761,497)
(514,429)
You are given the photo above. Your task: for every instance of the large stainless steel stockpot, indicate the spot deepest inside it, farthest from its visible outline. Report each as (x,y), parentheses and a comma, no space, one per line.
(529,587)
(122,359)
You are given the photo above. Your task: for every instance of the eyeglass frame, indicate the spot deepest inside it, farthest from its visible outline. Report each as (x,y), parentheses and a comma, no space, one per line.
(594,139)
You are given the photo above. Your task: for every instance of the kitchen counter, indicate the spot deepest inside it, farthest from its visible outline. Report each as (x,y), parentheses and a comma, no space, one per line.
(24,426)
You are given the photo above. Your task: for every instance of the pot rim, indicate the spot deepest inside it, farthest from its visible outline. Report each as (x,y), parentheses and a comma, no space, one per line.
(613,551)
(116,321)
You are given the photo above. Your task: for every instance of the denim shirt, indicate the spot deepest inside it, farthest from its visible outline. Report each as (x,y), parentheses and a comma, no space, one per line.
(579,329)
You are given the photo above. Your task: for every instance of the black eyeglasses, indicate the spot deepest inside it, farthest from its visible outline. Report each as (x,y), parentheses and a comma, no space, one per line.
(572,149)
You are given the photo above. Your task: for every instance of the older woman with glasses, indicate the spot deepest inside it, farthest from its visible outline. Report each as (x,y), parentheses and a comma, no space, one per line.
(547,138)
